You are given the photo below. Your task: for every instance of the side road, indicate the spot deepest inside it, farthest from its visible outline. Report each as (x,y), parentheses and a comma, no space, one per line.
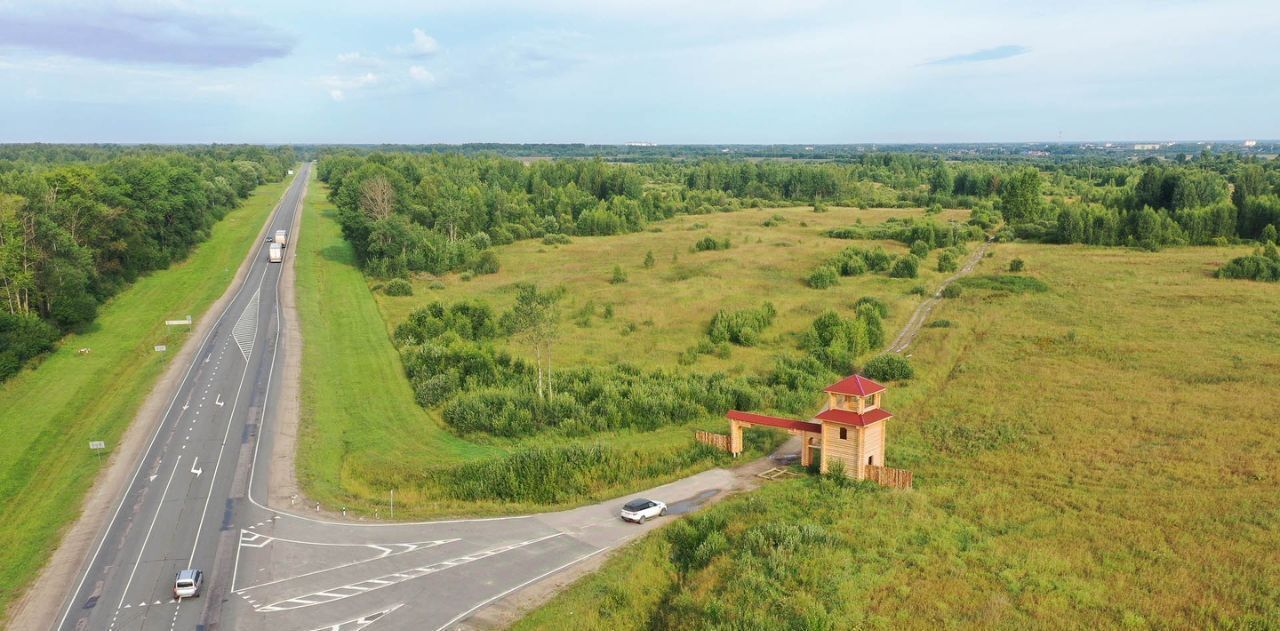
(39,607)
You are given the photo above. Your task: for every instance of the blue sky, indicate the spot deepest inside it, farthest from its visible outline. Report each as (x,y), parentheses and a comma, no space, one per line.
(667,71)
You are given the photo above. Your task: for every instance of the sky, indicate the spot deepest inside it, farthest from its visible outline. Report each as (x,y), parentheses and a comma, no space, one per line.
(663,71)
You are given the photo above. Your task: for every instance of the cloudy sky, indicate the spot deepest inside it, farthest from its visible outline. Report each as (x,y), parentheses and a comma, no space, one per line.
(667,71)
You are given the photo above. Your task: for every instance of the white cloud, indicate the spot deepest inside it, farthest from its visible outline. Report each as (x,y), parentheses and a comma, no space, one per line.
(418,73)
(336,94)
(359,59)
(423,45)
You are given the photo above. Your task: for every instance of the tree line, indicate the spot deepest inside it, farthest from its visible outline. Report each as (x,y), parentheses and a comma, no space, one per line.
(79,223)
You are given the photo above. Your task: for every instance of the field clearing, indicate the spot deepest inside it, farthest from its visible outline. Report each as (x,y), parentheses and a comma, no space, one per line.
(49,414)
(1101,455)
(660,312)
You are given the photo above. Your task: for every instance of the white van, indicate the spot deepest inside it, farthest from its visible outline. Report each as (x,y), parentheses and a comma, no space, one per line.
(187,583)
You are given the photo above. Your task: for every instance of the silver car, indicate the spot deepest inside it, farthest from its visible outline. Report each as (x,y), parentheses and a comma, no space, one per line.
(640,510)
(187,584)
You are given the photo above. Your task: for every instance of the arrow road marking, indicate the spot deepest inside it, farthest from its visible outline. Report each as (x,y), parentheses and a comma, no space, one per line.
(194,469)
(219,402)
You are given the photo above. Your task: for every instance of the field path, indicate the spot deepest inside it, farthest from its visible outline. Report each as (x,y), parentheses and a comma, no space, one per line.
(912,327)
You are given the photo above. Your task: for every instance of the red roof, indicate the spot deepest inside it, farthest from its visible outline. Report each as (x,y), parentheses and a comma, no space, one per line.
(846,417)
(856,385)
(774,421)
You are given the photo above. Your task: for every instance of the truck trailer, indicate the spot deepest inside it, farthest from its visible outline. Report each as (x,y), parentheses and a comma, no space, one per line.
(275,253)
(282,237)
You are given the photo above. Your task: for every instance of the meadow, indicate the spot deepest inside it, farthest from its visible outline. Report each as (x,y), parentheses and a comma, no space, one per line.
(363,434)
(50,412)
(1102,454)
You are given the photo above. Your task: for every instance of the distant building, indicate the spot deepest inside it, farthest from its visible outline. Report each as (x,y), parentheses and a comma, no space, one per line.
(1146,146)
(1250,143)
(641,144)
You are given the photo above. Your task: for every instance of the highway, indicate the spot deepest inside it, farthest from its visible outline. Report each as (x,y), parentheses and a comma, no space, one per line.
(198,500)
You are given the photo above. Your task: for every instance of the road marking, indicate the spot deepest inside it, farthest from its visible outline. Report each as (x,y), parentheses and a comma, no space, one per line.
(360,587)
(148,537)
(520,586)
(194,469)
(359,623)
(257,540)
(246,328)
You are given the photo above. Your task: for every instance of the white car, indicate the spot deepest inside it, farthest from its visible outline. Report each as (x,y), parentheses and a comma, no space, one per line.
(187,584)
(639,510)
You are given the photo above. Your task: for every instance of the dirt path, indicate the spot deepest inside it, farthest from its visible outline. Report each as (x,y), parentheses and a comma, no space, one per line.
(39,607)
(908,332)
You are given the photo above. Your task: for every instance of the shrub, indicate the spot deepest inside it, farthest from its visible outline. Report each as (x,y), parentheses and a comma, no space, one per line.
(947,261)
(775,220)
(708,243)
(741,327)
(918,290)
(555,238)
(939,324)
(1016,265)
(398,287)
(933,209)
(619,276)
(435,284)
(888,367)
(822,277)
(486,263)
(819,207)
(649,262)
(1269,233)
(951,291)
(876,303)
(906,267)
(1254,267)
(920,249)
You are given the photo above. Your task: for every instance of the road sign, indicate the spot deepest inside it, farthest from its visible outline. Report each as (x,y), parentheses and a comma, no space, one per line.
(97,444)
(160,348)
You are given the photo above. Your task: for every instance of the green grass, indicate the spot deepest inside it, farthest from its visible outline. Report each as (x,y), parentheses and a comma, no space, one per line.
(1102,454)
(49,414)
(357,405)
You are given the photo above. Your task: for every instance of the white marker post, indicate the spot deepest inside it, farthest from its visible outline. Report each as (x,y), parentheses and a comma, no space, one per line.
(98,446)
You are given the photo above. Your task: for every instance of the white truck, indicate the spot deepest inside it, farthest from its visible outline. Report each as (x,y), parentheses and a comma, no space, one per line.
(282,237)
(275,253)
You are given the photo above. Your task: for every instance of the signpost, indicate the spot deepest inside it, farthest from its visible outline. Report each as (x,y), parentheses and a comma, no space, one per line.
(98,446)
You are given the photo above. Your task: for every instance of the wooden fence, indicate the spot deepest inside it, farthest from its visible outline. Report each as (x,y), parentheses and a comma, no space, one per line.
(719,441)
(886,476)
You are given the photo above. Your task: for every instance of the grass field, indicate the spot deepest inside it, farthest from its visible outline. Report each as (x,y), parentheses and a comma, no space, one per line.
(362,433)
(49,414)
(1101,455)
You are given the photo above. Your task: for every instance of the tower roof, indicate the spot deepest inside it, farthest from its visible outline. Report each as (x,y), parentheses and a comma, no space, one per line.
(849,417)
(856,385)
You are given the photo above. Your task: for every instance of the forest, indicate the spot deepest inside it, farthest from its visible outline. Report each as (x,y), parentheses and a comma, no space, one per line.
(79,223)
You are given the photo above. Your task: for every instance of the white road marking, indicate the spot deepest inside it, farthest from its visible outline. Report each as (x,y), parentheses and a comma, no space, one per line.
(147,538)
(521,585)
(327,596)
(246,328)
(257,540)
(359,623)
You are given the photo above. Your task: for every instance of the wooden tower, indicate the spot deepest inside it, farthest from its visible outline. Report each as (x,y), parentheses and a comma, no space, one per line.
(853,426)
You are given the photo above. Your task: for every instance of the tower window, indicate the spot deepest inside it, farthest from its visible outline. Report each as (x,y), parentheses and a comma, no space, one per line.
(844,433)
(871,460)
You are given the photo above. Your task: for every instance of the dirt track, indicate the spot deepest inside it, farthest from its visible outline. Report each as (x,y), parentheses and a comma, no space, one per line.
(909,331)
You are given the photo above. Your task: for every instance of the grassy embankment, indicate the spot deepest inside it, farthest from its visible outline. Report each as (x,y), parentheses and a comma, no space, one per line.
(49,414)
(1100,455)
(363,433)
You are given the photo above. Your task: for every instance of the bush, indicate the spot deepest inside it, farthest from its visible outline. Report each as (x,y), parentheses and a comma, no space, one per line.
(398,287)
(906,267)
(918,290)
(951,291)
(741,327)
(876,303)
(708,243)
(1269,233)
(1016,265)
(920,249)
(619,276)
(555,238)
(486,263)
(823,277)
(649,261)
(947,261)
(1003,282)
(939,324)
(888,367)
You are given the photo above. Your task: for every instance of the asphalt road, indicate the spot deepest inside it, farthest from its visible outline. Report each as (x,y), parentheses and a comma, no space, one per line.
(198,500)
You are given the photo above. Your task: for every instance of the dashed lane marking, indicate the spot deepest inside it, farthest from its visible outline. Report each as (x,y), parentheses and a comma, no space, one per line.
(359,623)
(346,591)
(250,539)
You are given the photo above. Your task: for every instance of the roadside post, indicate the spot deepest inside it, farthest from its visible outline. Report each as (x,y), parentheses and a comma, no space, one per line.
(98,446)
